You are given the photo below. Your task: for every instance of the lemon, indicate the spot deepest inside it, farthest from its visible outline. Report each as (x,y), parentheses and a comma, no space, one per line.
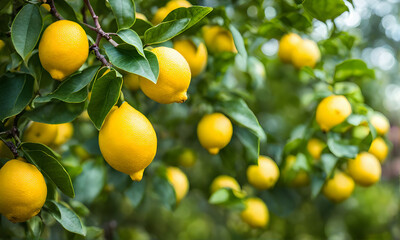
(224,181)
(63,48)
(195,56)
(131,81)
(365,169)
(174,4)
(173,78)
(287,44)
(141,16)
(164,11)
(128,141)
(339,187)
(179,181)
(187,158)
(46,6)
(160,15)
(23,191)
(2,44)
(40,133)
(5,152)
(218,39)
(256,213)
(214,132)
(81,152)
(379,149)
(332,111)
(380,123)
(265,175)
(64,133)
(306,54)
(300,178)
(315,147)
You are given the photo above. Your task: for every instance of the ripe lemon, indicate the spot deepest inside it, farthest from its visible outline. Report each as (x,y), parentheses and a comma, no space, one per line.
(214,132)
(380,123)
(179,181)
(63,48)
(187,158)
(332,111)
(338,188)
(131,81)
(141,16)
(46,6)
(160,15)
(173,78)
(128,141)
(195,56)
(164,11)
(256,213)
(5,152)
(287,44)
(315,147)
(379,149)
(174,4)
(265,175)
(41,133)
(365,169)
(300,178)
(64,133)
(306,54)
(23,191)
(218,39)
(224,181)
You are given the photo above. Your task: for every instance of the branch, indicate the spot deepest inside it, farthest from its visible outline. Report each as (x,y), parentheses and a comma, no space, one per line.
(12,147)
(53,10)
(100,57)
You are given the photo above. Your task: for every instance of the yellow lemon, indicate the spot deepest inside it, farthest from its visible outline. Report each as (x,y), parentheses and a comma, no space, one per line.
(379,149)
(23,191)
(195,56)
(81,152)
(141,16)
(332,111)
(301,177)
(128,141)
(63,48)
(173,78)
(174,4)
(179,181)
(306,54)
(164,11)
(214,132)
(160,15)
(287,44)
(365,169)
(2,44)
(380,123)
(218,39)
(224,181)
(40,133)
(265,175)
(256,213)
(46,6)
(339,187)
(187,158)
(315,147)
(131,81)
(64,133)
(5,152)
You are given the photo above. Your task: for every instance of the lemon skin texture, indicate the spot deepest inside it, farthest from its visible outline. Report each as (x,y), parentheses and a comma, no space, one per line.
(218,39)
(41,133)
(224,181)
(338,188)
(379,149)
(332,111)
(214,132)
(131,81)
(63,48)
(64,133)
(301,178)
(195,56)
(179,181)
(265,175)
(306,54)
(365,169)
(287,44)
(173,78)
(315,147)
(380,123)
(256,213)
(23,191)
(128,141)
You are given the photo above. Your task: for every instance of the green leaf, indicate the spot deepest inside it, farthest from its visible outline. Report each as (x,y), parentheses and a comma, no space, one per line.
(40,147)
(165,192)
(228,198)
(132,38)
(16,91)
(135,192)
(241,114)
(35,226)
(105,94)
(352,68)
(141,26)
(239,43)
(131,61)
(72,89)
(296,20)
(341,149)
(350,90)
(51,168)
(281,201)
(93,175)
(317,182)
(66,217)
(65,10)
(124,12)
(325,9)
(175,23)
(25,29)
(251,144)
(328,162)
(56,112)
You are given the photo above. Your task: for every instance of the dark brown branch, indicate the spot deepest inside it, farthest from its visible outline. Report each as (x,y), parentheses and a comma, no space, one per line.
(99,56)
(12,147)
(53,10)
(83,11)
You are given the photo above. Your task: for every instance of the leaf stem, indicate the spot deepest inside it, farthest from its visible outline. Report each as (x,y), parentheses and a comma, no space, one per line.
(53,10)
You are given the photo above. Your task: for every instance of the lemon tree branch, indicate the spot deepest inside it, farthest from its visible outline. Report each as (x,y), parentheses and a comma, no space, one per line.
(53,10)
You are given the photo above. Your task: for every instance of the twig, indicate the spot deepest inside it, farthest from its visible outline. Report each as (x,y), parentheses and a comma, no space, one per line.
(53,10)
(83,11)
(11,146)
(100,57)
